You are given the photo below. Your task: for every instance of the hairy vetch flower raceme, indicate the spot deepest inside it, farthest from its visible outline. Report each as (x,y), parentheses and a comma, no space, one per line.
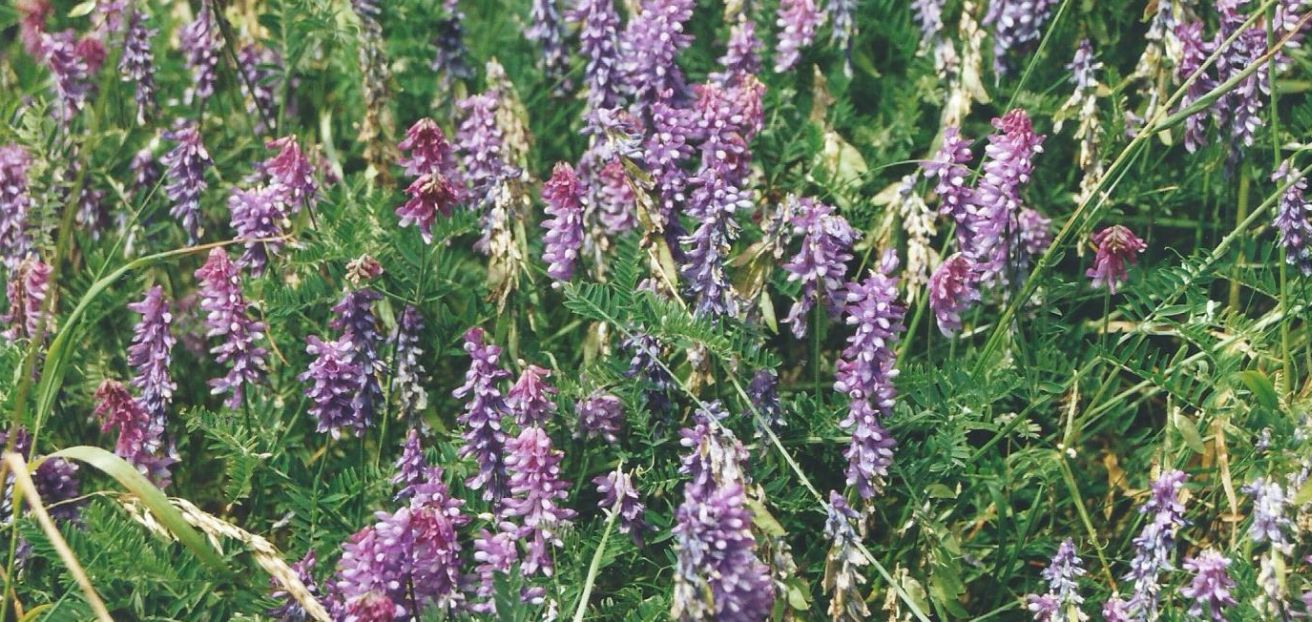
(437,186)
(187,163)
(955,195)
(408,382)
(484,441)
(480,141)
(227,318)
(354,318)
(27,290)
(425,150)
(1293,218)
(536,489)
(145,170)
(56,482)
(1016,25)
(333,379)
(928,14)
(1210,587)
(599,46)
(257,66)
(289,609)
(450,60)
(140,436)
(1118,248)
(73,63)
(290,174)
(821,264)
(865,373)
(718,575)
(843,576)
(664,151)
(1240,108)
(842,14)
(619,495)
(151,351)
(137,64)
(1270,526)
(1155,544)
(15,203)
(797,21)
(649,46)
(742,55)
(547,28)
(996,206)
(563,195)
(763,392)
(256,216)
(409,467)
(1193,53)
(201,41)
(494,553)
(600,415)
(530,399)
(1062,574)
(429,196)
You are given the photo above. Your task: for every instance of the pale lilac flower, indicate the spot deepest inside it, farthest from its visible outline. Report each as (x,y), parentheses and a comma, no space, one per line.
(27,290)
(145,170)
(1240,108)
(480,141)
(333,381)
(1193,53)
(948,167)
(408,382)
(530,399)
(1155,544)
(201,41)
(821,264)
(619,495)
(137,64)
(1044,607)
(1034,231)
(258,69)
(1270,522)
(842,14)
(187,163)
(613,198)
(409,467)
(763,391)
(257,219)
(227,318)
(1017,25)
(599,46)
(1116,610)
(289,609)
(150,353)
(56,482)
(291,174)
(797,21)
(665,152)
(1118,249)
(649,47)
(15,203)
(718,575)
(354,317)
(73,62)
(993,215)
(1211,586)
(742,56)
(1293,218)
(494,553)
(547,28)
(1062,574)
(843,577)
(536,490)
(928,15)
(865,373)
(484,410)
(953,288)
(600,415)
(563,195)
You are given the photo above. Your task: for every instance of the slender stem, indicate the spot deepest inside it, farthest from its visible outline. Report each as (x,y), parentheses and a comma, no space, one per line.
(594,568)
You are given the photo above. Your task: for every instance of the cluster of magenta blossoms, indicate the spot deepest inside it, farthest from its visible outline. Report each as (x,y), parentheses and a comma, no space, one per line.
(187,163)
(1017,25)
(1118,248)
(56,482)
(600,415)
(343,377)
(536,492)
(563,240)
(15,204)
(201,43)
(718,574)
(619,495)
(865,373)
(821,264)
(27,290)
(1293,219)
(436,189)
(260,214)
(140,436)
(151,352)
(797,21)
(648,47)
(1211,586)
(228,320)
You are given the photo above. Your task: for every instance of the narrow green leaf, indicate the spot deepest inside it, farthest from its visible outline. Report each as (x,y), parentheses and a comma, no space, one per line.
(1189,431)
(1261,387)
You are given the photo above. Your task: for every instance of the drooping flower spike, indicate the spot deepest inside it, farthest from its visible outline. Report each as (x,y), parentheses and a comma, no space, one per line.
(227,319)
(563,241)
(1118,248)
(485,408)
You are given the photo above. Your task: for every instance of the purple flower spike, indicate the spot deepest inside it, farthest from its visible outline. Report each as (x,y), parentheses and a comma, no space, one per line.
(150,352)
(186,163)
(953,287)
(408,383)
(1063,574)
(742,57)
(563,195)
(953,181)
(763,391)
(1210,587)
(27,291)
(201,41)
(257,219)
(616,487)
(718,575)
(843,14)
(56,481)
(1193,53)
(1118,249)
(429,196)
(1044,607)
(451,60)
(257,66)
(821,264)
(494,553)
(1294,219)
(74,63)
(227,318)
(547,28)
(530,399)
(333,380)
(484,411)
(1116,610)
(480,141)
(15,203)
(354,317)
(600,415)
(145,171)
(409,467)
(137,64)
(1017,24)
(1155,544)
(648,50)
(291,174)
(865,373)
(599,46)
(140,437)
(426,150)
(536,488)
(1009,160)
(797,21)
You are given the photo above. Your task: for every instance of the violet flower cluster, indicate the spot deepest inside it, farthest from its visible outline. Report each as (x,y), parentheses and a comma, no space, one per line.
(1270,527)
(27,289)
(821,264)
(1293,219)
(485,408)
(150,353)
(1118,248)
(563,241)
(344,374)
(288,608)
(55,479)
(599,46)
(140,436)
(137,64)
(187,163)
(1062,574)
(15,204)
(763,393)
(227,319)
(648,47)
(843,563)
(953,288)
(1155,544)
(450,60)
(410,377)
(797,21)
(480,142)
(257,65)
(865,373)
(410,466)
(536,490)
(201,42)
(742,54)
(530,399)
(1211,586)
(547,29)
(996,203)
(74,63)
(1193,53)
(718,575)
(600,415)
(1017,25)
(619,495)
(437,187)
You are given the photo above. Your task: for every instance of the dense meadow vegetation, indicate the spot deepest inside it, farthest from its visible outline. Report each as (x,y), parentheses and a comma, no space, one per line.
(656,309)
